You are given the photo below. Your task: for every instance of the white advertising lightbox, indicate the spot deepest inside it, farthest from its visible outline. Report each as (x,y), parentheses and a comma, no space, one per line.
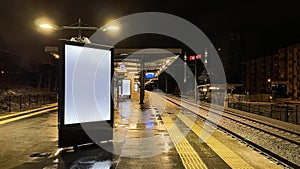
(85,89)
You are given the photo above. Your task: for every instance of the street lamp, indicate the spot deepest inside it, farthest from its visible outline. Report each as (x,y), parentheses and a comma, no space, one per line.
(77,26)
(46,26)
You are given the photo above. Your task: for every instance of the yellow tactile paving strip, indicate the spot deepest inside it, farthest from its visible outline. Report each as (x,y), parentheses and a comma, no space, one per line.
(232,159)
(188,155)
(27,114)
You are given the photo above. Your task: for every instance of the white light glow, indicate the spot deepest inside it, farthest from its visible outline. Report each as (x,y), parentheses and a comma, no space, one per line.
(133,72)
(111,28)
(46,26)
(214,88)
(56,56)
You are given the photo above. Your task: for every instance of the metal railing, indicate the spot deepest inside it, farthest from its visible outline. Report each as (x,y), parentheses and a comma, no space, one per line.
(24,102)
(287,112)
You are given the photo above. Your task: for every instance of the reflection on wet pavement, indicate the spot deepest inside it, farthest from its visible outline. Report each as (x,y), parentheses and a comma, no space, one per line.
(140,141)
(85,157)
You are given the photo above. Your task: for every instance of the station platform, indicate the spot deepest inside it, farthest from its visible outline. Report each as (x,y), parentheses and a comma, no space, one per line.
(159,134)
(156,134)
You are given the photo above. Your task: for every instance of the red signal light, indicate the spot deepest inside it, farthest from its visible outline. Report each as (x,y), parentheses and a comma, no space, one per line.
(192,58)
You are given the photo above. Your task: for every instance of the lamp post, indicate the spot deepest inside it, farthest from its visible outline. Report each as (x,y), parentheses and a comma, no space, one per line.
(45,25)
(196,87)
(269,82)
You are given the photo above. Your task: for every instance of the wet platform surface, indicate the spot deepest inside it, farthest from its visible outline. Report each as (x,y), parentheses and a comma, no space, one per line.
(157,134)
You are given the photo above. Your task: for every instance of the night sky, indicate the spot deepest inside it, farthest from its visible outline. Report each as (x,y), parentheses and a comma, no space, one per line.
(243,30)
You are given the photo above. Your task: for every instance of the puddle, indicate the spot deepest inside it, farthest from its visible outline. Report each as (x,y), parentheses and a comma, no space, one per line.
(91,163)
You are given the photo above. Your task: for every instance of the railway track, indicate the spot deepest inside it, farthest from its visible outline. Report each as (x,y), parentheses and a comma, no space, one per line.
(281,144)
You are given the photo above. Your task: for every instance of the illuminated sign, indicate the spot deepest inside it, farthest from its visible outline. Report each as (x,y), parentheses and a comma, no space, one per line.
(149,75)
(192,58)
(126,87)
(197,57)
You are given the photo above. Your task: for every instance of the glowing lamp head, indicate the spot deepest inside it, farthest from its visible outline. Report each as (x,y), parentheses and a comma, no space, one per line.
(111,28)
(46,26)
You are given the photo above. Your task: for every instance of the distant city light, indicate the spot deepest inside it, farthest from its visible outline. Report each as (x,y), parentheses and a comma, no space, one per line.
(269,80)
(2,71)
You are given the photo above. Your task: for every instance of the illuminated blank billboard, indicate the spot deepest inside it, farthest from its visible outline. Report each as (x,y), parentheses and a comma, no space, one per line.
(126,87)
(87,86)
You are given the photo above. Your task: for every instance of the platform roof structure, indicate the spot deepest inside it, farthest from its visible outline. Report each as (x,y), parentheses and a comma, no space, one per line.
(133,61)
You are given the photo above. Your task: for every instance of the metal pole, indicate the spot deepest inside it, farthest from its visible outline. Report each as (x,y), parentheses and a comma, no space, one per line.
(184,73)
(9,108)
(79,29)
(195,81)
(117,86)
(49,97)
(29,100)
(166,83)
(296,114)
(249,107)
(20,101)
(37,99)
(287,113)
(271,110)
(142,89)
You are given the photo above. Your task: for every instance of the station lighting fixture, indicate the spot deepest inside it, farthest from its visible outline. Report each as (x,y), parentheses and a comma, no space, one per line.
(214,88)
(46,26)
(133,72)
(111,28)
(43,23)
(56,56)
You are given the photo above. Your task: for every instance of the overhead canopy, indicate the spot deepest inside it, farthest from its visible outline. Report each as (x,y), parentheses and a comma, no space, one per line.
(133,61)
